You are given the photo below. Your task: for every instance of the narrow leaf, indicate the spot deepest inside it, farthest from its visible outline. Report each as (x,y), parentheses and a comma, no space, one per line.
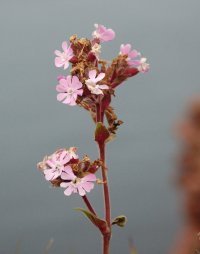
(101,224)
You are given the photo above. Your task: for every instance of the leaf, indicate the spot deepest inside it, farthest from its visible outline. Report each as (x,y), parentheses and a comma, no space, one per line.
(101,133)
(120,221)
(101,224)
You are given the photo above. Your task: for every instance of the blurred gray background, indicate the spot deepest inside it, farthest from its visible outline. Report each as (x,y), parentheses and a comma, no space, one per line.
(34,124)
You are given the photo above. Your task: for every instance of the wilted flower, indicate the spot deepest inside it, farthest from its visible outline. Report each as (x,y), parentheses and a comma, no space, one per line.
(76,184)
(69,89)
(64,57)
(103,34)
(93,80)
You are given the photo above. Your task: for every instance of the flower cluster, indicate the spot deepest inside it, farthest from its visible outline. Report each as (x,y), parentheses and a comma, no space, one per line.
(91,76)
(64,168)
(91,85)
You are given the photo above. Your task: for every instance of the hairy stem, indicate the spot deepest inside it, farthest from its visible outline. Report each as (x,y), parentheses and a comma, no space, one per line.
(89,206)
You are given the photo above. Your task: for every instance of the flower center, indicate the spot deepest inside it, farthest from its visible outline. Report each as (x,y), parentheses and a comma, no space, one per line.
(70,91)
(76,180)
(64,56)
(58,166)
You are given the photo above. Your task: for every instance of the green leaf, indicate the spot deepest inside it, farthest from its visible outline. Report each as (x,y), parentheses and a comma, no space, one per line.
(101,133)
(101,224)
(120,221)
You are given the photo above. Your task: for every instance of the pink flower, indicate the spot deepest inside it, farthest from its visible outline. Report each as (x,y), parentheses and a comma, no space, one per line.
(144,66)
(75,184)
(56,164)
(92,82)
(69,89)
(103,34)
(63,58)
(132,55)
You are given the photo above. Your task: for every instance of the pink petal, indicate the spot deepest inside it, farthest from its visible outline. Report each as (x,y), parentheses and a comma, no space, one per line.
(62,155)
(60,88)
(134,53)
(61,96)
(66,159)
(88,186)
(92,74)
(65,185)
(50,163)
(79,92)
(76,83)
(58,62)
(72,102)
(69,81)
(63,81)
(81,191)
(108,35)
(48,174)
(101,29)
(68,174)
(100,77)
(74,96)
(125,49)
(90,177)
(60,77)
(69,99)
(69,190)
(64,46)
(134,62)
(65,176)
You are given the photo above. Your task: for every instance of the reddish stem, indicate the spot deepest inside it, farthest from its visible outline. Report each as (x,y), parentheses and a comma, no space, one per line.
(106,236)
(89,206)
(106,244)
(105,185)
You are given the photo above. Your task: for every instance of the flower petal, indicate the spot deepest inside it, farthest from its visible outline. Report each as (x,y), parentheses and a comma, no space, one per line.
(60,88)
(68,174)
(88,186)
(100,77)
(58,62)
(61,96)
(92,74)
(90,177)
(81,191)
(69,190)
(64,46)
